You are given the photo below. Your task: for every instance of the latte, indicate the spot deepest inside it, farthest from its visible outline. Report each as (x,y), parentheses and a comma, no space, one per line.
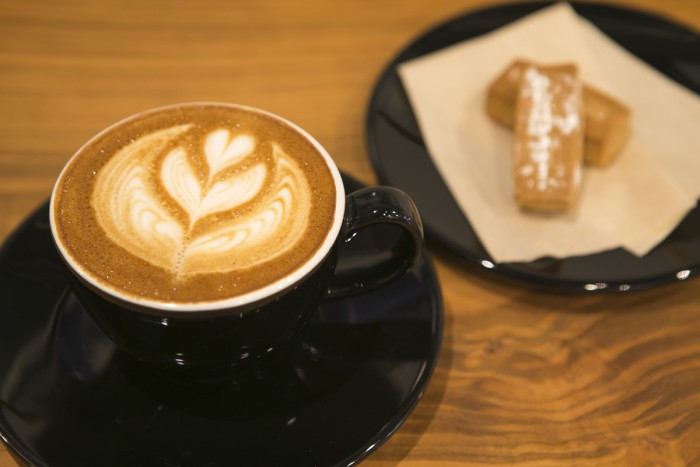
(196,203)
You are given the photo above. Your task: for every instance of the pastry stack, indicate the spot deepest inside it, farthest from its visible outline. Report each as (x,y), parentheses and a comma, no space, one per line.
(559,124)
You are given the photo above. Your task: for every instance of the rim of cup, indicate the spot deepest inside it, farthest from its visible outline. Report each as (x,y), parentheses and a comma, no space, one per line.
(261,294)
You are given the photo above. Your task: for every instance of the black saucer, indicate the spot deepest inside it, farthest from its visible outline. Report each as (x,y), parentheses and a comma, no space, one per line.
(399,156)
(67,397)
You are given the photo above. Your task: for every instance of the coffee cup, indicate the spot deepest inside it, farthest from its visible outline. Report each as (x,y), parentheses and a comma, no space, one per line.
(201,237)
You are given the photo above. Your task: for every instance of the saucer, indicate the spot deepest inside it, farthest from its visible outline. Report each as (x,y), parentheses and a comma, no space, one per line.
(399,156)
(68,397)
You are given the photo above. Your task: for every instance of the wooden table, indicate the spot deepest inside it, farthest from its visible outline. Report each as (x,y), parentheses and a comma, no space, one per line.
(525,377)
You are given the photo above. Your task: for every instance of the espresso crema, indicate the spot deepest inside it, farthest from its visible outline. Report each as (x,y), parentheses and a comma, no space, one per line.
(194,203)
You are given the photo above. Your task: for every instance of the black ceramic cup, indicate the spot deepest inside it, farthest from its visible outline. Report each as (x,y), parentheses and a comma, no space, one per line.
(218,339)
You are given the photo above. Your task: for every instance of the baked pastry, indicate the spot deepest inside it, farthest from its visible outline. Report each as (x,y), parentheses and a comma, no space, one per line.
(607,126)
(503,92)
(548,148)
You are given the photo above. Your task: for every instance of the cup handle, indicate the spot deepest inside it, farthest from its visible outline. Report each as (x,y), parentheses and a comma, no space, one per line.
(371,257)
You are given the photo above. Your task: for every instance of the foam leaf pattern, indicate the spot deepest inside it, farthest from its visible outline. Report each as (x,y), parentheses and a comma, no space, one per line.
(222,151)
(278,219)
(132,210)
(126,207)
(181,182)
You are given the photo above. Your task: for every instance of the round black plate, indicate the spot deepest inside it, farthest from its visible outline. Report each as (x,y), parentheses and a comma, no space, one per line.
(69,398)
(400,158)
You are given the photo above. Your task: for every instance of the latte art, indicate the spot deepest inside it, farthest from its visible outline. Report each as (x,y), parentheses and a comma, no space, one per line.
(196,203)
(130,199)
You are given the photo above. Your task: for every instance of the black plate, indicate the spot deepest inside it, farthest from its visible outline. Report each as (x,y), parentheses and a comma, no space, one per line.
(68,398)
(400,158)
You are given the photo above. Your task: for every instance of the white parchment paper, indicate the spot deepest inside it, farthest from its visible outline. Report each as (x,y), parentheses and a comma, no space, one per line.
(635,203)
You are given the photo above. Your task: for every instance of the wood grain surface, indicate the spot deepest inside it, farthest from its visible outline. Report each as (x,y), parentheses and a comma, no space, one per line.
(525,377)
